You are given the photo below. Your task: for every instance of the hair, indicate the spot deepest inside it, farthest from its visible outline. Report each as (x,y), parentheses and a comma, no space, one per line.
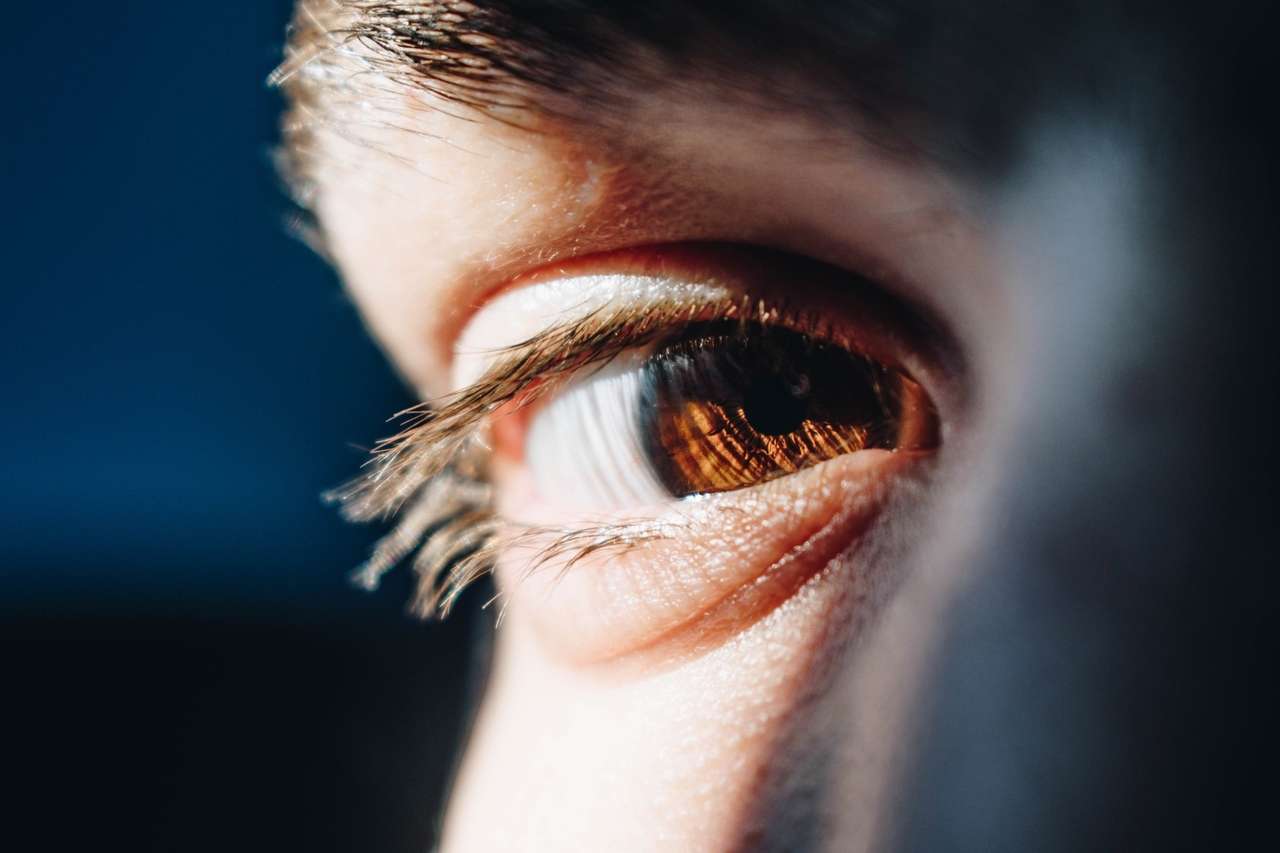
(1150,728)
(510,58)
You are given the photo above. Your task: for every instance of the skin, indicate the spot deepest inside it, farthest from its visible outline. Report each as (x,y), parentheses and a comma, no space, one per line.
(664,750)
(1073,471)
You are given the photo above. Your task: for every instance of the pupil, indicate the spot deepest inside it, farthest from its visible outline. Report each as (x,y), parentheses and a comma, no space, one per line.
(724,408)
(772,407)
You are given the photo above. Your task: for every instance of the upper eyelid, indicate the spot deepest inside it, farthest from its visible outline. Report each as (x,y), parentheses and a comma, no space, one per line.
(658,289)
(872,313)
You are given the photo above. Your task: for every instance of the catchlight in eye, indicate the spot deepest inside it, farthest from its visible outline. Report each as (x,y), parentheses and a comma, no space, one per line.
(722,406)
(726,407)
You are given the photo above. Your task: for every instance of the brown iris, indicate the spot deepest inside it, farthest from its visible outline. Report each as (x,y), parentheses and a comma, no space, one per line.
(724,407)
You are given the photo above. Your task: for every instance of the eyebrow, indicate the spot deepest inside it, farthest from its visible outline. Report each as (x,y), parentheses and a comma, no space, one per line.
(470,52)
(834,58)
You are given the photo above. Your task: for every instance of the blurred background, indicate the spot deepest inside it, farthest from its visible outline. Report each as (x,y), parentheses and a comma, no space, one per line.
(186,666)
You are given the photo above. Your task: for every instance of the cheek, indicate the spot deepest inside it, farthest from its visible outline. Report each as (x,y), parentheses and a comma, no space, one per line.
(570,757)
(704,751)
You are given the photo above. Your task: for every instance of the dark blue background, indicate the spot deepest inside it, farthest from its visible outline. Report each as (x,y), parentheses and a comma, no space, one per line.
(187,667)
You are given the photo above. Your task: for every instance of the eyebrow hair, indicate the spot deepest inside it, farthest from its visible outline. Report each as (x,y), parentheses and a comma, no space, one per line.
(525,56)
(467,49)
(954,83)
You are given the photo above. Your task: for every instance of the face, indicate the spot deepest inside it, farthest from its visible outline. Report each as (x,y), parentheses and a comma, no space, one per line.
(820,393)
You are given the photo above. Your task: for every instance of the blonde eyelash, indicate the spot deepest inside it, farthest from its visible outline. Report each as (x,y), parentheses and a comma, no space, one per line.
(431,475)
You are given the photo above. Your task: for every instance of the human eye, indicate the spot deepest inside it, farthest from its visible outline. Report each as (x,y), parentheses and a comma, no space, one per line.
(718,406)
(655,448)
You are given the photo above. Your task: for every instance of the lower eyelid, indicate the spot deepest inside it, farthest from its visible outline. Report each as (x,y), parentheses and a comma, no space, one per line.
(727,560)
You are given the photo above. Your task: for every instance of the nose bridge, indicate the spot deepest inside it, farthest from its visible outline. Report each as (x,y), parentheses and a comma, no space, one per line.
(1096,684)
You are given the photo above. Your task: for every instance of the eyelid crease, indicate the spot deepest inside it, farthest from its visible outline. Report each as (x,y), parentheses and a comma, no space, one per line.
(432,473)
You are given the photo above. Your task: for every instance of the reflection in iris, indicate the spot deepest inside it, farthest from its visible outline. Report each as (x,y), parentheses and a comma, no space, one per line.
(727,406)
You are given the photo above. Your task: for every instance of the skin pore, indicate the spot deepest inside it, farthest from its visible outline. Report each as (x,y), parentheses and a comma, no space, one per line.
(752,678)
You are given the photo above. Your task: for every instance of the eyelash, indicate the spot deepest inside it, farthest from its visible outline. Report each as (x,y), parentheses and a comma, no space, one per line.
(431,477)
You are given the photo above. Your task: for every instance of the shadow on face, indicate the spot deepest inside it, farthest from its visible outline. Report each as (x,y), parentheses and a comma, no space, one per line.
(1047,634)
